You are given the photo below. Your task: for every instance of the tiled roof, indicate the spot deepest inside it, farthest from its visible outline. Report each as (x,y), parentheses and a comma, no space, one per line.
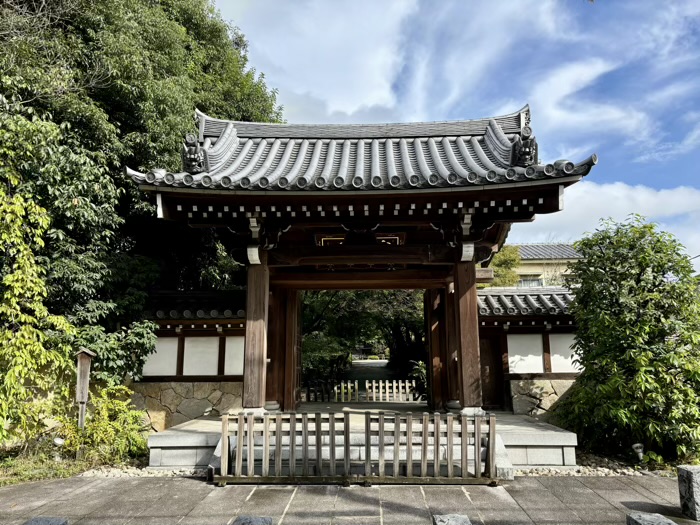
(547,251)
(524,301)
(196,305)
(257,156)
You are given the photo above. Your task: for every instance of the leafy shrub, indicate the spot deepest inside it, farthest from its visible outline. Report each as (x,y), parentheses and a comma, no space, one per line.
(420,374)
(114,431)
(638,340)
(373,357)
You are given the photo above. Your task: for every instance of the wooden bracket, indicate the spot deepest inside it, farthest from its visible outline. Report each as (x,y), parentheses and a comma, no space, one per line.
(254,227)
(253,252)
(467,252)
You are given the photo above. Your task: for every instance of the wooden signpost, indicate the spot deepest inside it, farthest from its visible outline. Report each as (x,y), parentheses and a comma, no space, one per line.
(84,358)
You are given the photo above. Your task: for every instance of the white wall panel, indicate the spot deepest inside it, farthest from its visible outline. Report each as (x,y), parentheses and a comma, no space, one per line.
(562,353)
(201,356)
(525,354)
(163,362)
(233,365)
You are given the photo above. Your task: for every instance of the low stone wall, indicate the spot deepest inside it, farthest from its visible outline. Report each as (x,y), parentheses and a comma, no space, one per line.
(169,404)
(536,396)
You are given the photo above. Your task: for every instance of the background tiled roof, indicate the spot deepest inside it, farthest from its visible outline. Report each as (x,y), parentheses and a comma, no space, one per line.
(524,301)
(547,251)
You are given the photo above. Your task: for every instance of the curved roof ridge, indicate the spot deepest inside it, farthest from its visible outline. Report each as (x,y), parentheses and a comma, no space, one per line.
(510,123)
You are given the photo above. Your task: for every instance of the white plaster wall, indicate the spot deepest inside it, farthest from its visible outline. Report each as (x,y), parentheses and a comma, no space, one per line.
(233,365)
(201,356)
(163,362)
(525,354)
(560,346)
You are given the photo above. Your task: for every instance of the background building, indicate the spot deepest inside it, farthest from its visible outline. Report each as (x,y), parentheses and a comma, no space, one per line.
(544,264)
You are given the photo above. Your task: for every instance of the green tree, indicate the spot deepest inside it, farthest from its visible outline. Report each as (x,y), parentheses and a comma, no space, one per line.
(504,264)
(638,341)
(88,88)
(33,353)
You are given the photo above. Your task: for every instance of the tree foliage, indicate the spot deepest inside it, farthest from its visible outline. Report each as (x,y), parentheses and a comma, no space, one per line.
(504,264)
(88,88)
(376,318)
(638,340)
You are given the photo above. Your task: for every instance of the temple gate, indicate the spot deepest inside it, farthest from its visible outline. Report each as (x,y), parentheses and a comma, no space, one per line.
(379,206)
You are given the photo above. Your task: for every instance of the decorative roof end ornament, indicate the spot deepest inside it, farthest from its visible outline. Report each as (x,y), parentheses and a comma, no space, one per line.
(192,155)
(525,150)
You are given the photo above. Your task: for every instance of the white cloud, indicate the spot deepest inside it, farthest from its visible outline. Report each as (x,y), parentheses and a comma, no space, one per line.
(346,53)
(559,107)
(676,210)
(669,150)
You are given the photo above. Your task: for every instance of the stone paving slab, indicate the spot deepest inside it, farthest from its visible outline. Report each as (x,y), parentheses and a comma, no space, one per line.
(162,501)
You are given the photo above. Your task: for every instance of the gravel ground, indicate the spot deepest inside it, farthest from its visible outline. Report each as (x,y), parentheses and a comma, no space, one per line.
(593,465)
(136,472)
(587,465)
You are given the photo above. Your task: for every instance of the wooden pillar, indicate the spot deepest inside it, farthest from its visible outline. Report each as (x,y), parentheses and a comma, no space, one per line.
(452,361)
(292,350)
(467,307)
(274,389)
(436,344)
(255,363)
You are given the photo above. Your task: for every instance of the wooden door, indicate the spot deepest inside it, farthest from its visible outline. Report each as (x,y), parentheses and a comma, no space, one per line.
(491,371)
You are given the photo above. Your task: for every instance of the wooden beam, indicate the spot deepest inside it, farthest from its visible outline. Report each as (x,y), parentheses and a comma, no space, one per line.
(397,279)
(468,328)
(373,254)
(255,361)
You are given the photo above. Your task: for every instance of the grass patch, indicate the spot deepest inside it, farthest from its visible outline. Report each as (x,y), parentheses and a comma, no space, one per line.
(18,468)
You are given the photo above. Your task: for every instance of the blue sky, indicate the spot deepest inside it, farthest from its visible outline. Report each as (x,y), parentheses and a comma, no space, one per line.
(619,78)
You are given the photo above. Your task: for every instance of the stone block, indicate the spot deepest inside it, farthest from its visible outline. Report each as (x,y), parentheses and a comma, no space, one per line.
(170,399)
(194,408)
(569,456)
(689,491)
(46,521)
(252,520)
(148,389)
(183,389)
(545,456)
(523,404)
(231,403)
(645,518)
(517,455)
(178,457)
(560,386)
(230,387)
(154,458)
(138,400)
(450,519)
(214,397)
(203,390)
(178,419)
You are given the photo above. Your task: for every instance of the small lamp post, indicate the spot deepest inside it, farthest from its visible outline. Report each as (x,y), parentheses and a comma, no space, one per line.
(84,358)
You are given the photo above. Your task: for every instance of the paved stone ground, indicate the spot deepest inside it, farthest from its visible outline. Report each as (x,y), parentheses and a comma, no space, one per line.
(159,501)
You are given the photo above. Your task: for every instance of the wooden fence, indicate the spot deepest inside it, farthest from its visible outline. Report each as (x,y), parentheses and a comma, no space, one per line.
(391,390)
(357,447)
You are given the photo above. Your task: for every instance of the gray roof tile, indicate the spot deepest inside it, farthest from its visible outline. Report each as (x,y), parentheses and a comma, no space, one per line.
(524,301)
(241,155)
(547,251)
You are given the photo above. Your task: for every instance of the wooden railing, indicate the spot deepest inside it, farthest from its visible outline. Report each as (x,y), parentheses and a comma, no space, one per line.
(347,391)
(375,447)
(391,390)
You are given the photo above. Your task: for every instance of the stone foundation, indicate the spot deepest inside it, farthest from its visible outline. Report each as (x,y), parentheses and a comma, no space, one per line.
(536,396)
(169,404)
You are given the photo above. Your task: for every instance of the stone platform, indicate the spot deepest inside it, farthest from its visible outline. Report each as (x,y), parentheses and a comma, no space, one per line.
(528,442)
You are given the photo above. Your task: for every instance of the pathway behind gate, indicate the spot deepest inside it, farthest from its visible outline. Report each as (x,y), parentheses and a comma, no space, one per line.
(159,501)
